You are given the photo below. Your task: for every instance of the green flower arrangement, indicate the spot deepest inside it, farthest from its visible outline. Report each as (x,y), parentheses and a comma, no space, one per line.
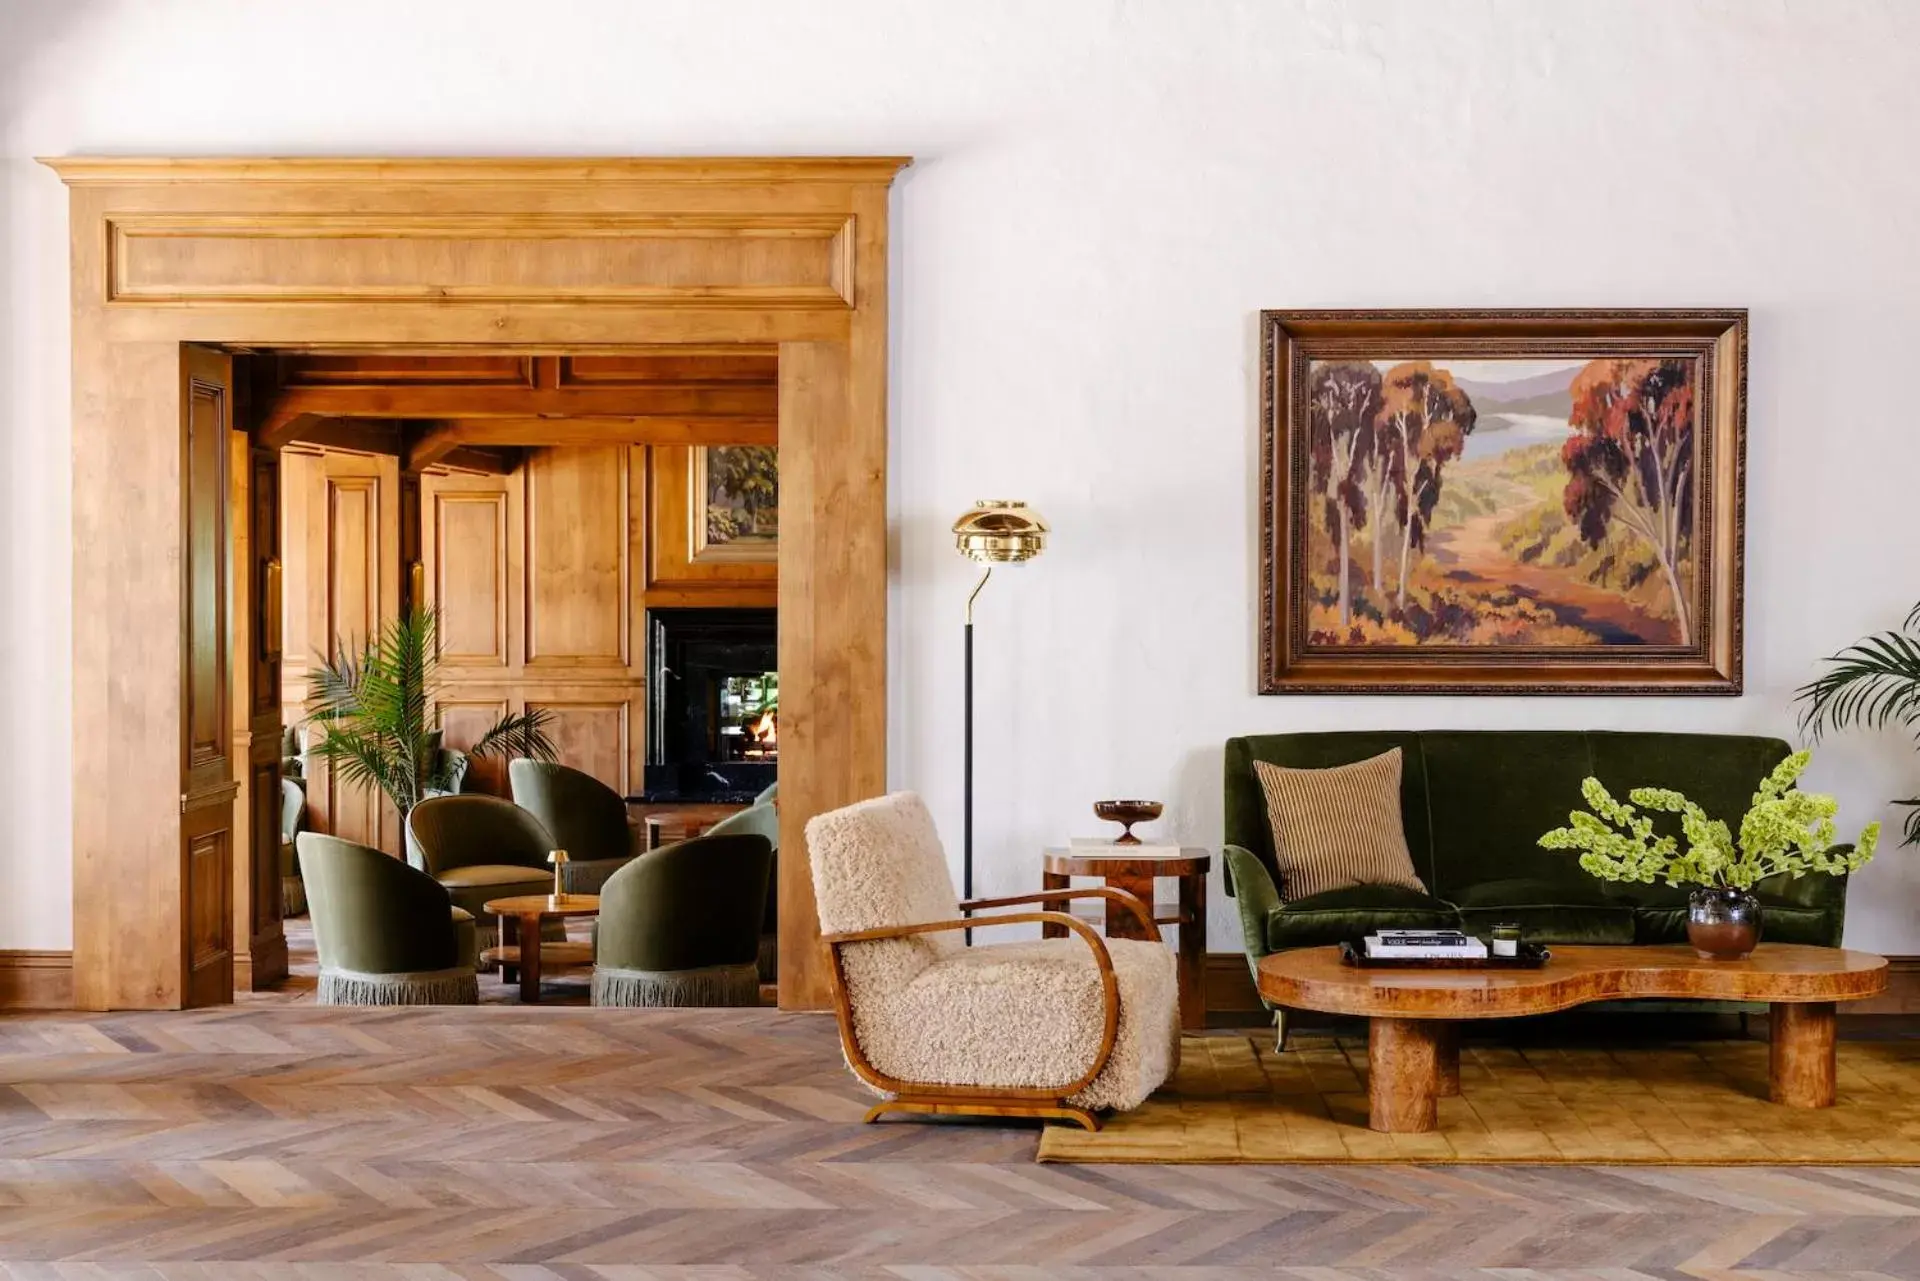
(1786,831)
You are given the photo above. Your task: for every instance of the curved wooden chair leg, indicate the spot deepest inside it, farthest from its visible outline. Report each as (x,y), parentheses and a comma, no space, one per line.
(1060,1111)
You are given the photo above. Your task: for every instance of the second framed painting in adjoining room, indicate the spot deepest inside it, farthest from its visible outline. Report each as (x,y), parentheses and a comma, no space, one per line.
(1502,501)
(716,514)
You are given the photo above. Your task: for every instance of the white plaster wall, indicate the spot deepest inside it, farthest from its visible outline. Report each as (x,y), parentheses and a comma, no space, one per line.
(1107,192)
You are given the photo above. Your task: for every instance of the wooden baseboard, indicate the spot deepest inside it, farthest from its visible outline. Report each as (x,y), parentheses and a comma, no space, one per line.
(1230,991)
(43,980)
(34,979)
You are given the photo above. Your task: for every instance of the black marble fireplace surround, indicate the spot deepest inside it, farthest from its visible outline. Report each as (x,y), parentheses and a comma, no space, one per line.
(694,751)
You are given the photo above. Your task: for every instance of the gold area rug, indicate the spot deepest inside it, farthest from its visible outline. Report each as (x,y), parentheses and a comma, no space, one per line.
(1235,1100)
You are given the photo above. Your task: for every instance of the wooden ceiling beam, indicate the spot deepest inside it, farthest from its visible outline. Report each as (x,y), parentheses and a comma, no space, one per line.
(357,435)
(668,400)
(492,462)
(433,442)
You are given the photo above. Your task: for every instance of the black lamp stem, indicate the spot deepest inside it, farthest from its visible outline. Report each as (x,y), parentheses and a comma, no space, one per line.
(966,858)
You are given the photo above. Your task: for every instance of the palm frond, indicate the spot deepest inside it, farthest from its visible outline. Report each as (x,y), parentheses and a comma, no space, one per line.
(1910,829)
(524,734)
(373,701)
(1874,683)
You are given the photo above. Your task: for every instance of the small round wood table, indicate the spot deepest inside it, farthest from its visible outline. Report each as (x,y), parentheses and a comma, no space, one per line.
(1413,1052)
(1136,876)
(520,920)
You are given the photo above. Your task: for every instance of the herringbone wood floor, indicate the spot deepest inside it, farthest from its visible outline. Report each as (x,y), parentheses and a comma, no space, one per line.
(290,1141)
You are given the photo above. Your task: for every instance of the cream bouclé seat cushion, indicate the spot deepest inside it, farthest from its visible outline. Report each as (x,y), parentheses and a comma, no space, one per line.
(930,1009)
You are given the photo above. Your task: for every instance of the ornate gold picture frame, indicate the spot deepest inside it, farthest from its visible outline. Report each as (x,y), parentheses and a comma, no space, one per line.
(1502,501)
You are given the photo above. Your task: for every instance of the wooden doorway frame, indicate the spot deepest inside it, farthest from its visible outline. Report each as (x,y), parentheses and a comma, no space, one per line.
(451,255)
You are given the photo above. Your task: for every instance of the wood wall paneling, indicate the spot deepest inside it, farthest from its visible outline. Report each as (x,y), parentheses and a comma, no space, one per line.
(534,574)
(577,558)
(593,730)
(342,583)
(467,571)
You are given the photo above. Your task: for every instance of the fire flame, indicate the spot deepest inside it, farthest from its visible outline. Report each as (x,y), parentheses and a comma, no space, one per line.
(764,731)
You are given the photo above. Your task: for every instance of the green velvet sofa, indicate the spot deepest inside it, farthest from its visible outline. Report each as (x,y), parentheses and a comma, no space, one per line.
(1474,804)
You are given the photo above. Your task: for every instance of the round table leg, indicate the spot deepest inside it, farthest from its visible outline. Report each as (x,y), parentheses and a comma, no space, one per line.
(1403,1061)
(1801,1052)
(1446,1074)
(508,936)
(530,959)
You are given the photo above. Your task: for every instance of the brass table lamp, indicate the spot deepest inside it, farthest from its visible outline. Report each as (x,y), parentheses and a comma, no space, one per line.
(995,532)
(558,859)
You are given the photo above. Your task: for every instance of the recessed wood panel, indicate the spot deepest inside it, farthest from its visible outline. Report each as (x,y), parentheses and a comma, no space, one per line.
(469,576)
(461,724)
(208,936)
(277,258)
(353,560)
(577,539)
(207,418)
(592,736)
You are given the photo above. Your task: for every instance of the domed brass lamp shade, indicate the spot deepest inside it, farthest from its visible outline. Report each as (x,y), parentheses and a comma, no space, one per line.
(997,531)
(1000,531)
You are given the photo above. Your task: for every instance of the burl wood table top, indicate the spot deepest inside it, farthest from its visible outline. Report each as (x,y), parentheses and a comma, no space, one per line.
(1114,861)
(544,905)
(1315,979)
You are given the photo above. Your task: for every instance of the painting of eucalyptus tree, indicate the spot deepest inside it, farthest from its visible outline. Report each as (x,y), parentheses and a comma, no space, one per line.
(1503,500)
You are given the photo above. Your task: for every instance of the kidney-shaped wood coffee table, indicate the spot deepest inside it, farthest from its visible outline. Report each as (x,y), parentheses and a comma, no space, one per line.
(1413,1052)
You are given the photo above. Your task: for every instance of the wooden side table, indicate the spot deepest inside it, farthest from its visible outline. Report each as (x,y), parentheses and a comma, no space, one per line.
(520,946)
(1136,876)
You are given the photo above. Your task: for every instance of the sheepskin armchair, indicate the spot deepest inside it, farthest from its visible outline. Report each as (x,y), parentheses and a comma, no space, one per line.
(1059,1028)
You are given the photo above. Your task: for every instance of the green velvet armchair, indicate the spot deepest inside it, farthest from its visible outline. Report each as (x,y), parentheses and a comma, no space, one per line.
(293,818)
(584,816)
(762,819)
(387,933)
(681,926)
(480,848)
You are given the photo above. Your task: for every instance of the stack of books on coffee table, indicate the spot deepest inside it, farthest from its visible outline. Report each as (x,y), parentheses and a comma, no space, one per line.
(1425,945)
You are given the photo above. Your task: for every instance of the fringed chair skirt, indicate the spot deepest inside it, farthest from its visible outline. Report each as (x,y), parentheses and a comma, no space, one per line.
(457,986)
(710,985)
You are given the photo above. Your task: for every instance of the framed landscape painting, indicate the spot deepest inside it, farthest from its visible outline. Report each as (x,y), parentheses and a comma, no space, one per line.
(1502,501)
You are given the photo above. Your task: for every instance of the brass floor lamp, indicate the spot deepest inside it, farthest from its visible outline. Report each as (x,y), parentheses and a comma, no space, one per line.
(995,532)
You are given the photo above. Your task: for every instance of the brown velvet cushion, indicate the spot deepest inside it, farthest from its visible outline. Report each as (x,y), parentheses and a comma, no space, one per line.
(1339,827)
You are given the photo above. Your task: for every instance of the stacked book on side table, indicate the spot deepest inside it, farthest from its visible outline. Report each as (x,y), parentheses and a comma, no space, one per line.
(1424,945)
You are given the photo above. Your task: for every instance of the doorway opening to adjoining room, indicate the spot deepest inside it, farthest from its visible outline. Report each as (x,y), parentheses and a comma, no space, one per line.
(587,566)
(183,267)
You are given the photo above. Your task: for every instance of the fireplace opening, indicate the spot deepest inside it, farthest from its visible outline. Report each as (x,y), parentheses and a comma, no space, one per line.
(713,705)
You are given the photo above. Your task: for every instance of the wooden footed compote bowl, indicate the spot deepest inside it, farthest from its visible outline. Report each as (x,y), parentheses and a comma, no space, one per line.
(1127,813)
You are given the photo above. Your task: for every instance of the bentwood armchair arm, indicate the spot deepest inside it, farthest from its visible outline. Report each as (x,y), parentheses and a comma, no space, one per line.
(1102,959)
(1131,902)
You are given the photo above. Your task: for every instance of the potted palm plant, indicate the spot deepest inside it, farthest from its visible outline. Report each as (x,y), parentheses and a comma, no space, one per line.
(375,704)
(1874,683)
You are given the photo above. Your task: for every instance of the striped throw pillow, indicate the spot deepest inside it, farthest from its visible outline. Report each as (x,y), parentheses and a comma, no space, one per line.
(1333,828)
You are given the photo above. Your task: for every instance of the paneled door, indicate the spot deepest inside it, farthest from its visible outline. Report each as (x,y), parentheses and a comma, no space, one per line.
(341,544)
(207,786)
(254,594)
